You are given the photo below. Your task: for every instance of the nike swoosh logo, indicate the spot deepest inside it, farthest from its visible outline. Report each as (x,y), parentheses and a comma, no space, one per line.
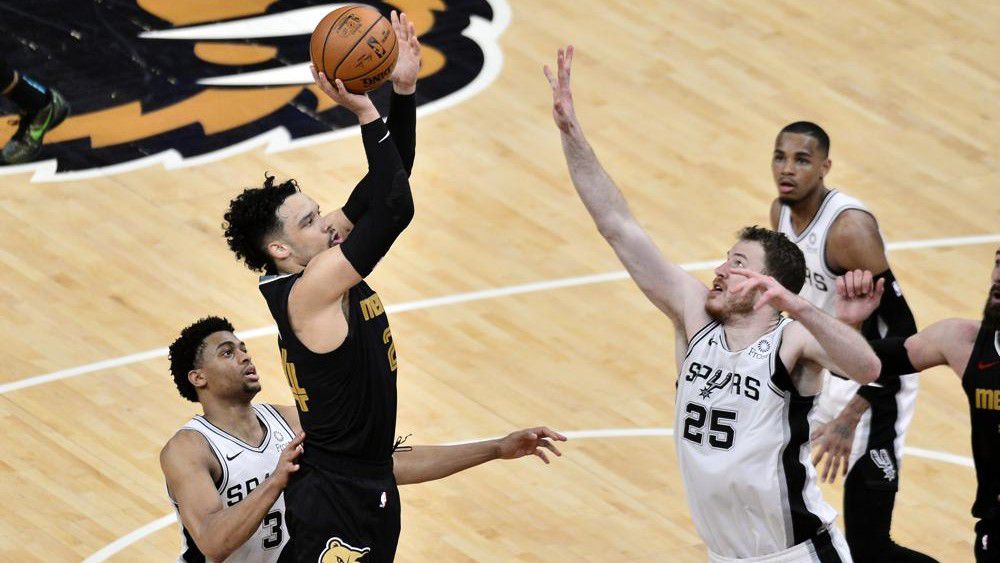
(235,455)
(987,365)
(37,132)
(385,137)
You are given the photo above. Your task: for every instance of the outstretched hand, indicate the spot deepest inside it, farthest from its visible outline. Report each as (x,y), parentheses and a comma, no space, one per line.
(531,441)
(773,293)
(562,97)
(404,75)
(857,296)
(287,462)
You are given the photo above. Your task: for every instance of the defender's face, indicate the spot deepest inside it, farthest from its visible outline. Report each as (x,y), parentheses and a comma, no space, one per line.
(798,166)
(721,303)
(227,367)
(304,230)
(991,313)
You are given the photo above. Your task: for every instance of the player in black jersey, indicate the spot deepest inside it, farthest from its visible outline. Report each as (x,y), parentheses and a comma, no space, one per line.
(225,518)
(972,350)
(335,343)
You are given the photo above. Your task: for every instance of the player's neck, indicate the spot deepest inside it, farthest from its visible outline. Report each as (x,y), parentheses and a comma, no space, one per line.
(236,418)
(743,330)
(289,267)
(805,210)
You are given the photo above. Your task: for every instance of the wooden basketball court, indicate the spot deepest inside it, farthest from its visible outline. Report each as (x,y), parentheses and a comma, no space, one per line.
(682,101)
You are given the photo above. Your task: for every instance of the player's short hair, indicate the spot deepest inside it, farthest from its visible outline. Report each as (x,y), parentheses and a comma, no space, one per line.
(783,259)
(252,218)
(185,352)
(812,130)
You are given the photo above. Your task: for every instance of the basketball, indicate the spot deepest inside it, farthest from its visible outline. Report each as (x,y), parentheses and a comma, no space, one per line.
(355,44)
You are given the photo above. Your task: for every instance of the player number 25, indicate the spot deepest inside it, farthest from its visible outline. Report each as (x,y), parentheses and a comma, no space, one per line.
(720,434)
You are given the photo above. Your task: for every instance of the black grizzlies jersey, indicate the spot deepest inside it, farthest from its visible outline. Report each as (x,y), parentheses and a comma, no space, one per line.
(981,382)
(346,398)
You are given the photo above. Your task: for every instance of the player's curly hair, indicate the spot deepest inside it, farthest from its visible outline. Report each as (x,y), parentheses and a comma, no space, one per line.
(783,259)
(252,218)
(185,352)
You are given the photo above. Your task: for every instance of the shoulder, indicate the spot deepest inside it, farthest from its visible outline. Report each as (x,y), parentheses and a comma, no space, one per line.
(855,243)
(290,414)
(186,447)
(855,223)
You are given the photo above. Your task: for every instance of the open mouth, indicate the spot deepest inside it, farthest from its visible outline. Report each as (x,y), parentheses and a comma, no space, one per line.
(717,286)
(335,239)
(251,373)
(786,185)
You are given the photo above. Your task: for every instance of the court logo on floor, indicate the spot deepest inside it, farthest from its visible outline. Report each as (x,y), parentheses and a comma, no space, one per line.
(177,83)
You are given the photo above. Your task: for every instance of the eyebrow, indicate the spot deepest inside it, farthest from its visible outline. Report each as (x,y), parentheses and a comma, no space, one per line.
(226,343)
(741,255)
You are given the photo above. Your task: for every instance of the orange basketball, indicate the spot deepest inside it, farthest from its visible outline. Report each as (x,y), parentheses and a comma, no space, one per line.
(355,44)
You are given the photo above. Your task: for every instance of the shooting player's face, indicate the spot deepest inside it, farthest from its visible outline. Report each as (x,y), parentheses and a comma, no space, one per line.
(305,231)
(225,369)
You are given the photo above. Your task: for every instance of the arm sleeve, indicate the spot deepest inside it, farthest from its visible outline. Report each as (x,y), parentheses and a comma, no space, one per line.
(893,321)
(402,124)
(895,362)
(390,202)
(893,316)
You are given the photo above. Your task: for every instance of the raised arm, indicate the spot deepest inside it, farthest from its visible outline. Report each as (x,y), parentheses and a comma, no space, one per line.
(674,291)
(390,208)
(816,337)
(402,120)
(419,464)
(217,530)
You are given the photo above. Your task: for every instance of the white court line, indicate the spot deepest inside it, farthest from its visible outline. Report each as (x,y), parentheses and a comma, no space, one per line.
(140,533)
(453,299)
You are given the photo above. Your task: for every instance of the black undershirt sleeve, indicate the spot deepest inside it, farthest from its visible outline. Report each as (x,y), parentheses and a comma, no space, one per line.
(402,124)
(892,312)
(894,316)
(895,359)
(390,205)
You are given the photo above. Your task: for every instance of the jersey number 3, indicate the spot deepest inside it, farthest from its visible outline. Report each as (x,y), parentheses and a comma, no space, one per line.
(720,434)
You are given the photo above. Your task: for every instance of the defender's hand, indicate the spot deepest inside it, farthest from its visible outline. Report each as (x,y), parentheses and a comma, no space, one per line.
(772,292)
(286,463)
(857,296)
(562,97)
(833,442)
(530,441)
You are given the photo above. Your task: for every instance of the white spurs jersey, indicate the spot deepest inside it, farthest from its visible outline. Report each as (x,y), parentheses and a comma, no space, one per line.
(821,284)
(820,288)
(742,437)
(244,467)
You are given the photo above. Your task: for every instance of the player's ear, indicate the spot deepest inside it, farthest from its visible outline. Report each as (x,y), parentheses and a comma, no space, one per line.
(827,164)
(197,378)
(278,250)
